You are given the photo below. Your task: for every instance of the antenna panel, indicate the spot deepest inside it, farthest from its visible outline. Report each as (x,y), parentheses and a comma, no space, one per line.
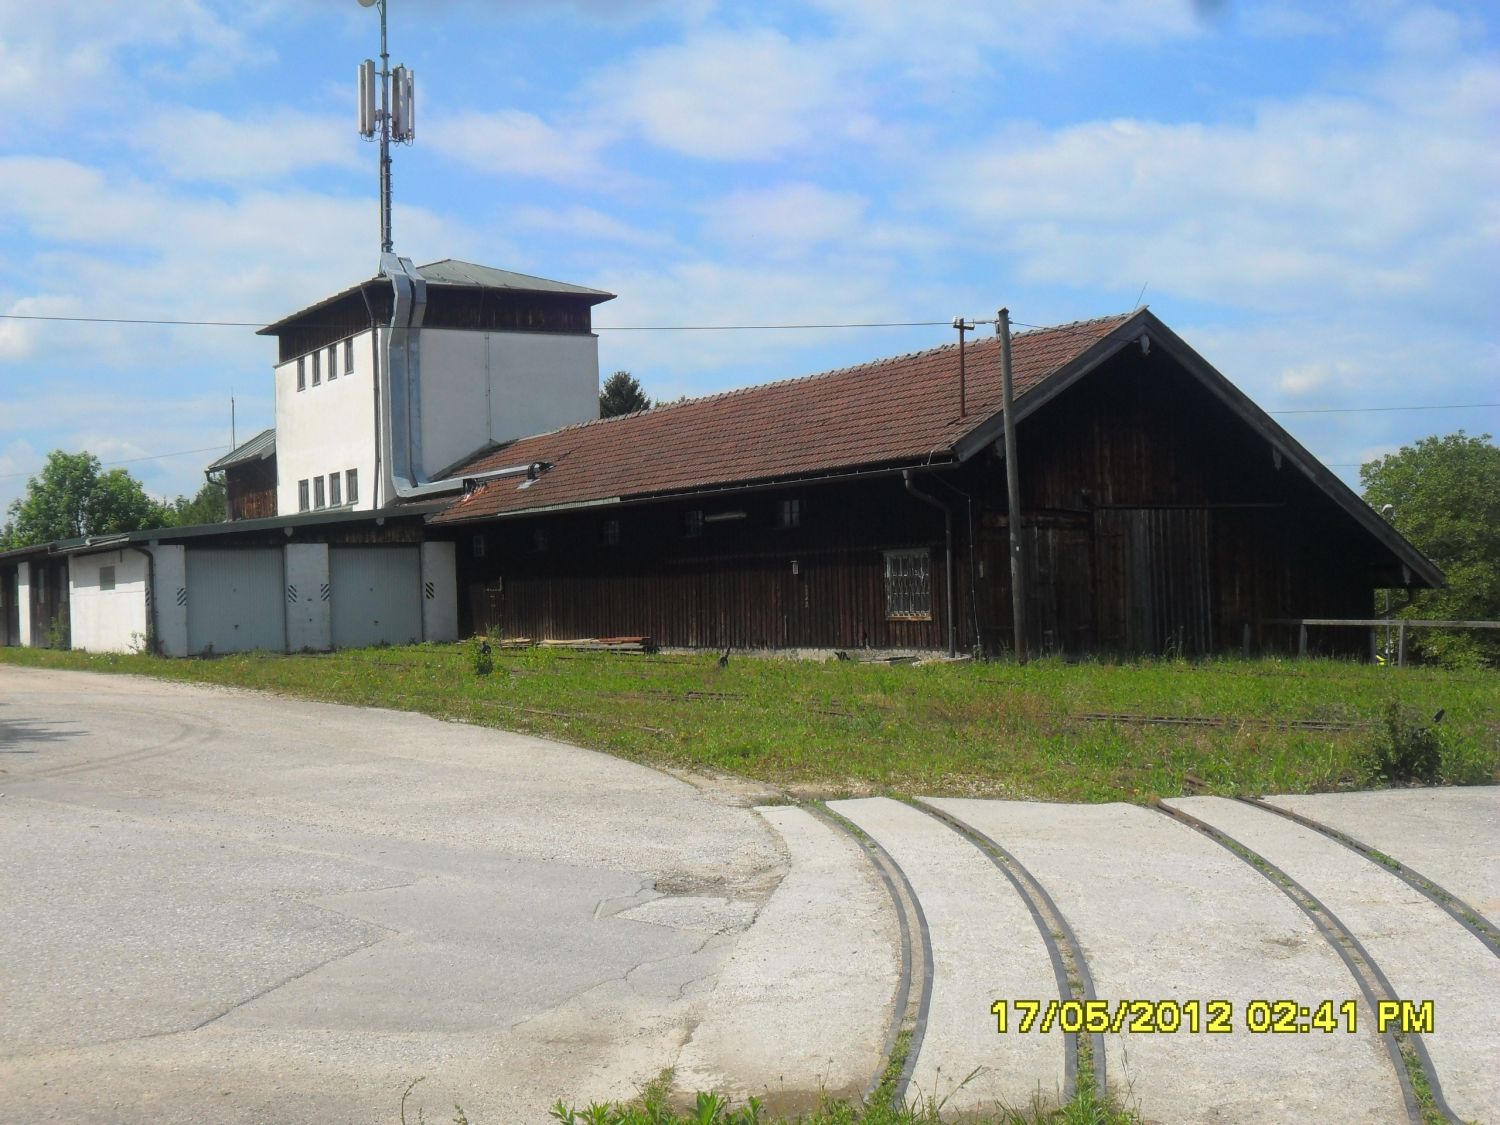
(403,104)
(367,98)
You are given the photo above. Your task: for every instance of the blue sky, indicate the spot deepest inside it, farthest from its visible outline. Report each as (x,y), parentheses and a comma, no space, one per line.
(1309,193)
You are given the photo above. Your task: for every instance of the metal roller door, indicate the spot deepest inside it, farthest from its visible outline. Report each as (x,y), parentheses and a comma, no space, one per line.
(234,600)
(377,595)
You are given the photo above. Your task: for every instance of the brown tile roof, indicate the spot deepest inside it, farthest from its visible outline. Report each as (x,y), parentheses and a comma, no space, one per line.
(902,410)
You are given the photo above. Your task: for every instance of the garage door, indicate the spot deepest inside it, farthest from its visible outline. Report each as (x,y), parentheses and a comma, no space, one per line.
(234,600)
(377,595)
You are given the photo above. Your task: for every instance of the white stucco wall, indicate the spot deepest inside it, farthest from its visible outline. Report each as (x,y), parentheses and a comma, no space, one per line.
(109,620)
(308,624)
(439,593)
(170,597)
(326,429)
(23,603)
(483,387)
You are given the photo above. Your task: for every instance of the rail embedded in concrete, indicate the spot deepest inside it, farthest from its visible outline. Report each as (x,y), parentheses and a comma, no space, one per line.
(1365,970)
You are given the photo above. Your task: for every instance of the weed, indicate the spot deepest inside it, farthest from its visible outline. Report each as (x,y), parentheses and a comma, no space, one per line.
(1407,749)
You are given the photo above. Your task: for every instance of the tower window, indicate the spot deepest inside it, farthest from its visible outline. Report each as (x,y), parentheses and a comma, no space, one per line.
(302,373)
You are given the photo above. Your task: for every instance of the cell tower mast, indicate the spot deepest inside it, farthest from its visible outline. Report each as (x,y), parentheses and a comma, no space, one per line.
(392,120)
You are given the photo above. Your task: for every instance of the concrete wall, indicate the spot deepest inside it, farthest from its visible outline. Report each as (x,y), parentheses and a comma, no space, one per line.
(329,428)
(114,620)
(439,593)
(308,624)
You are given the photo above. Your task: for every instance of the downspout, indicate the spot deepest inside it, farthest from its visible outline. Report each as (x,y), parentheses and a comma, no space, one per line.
(973,569)
(906,476)
(153,643)
(403,384)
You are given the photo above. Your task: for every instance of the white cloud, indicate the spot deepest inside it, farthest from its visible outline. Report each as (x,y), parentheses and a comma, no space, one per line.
(787,219)
(202,145)
(1387,197)
(515,143)
(733,95)
(579,222)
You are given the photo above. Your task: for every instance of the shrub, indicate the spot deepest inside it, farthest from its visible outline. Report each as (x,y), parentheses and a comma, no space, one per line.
(1407,749)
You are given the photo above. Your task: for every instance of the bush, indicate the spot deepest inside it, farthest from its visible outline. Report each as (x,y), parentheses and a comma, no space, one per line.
(1408,749)
(484,661)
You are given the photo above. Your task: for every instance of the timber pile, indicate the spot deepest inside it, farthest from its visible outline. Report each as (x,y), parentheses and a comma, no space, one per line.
(605,644)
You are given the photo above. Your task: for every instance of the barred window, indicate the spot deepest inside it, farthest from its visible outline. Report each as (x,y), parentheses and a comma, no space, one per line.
(908,585)
(790,514)
(609,533)
(692,523)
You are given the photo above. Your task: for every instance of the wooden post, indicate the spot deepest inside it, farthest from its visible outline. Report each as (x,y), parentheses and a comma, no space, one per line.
(1245,642)
(1302,641)
(1401,644)
(1012,488)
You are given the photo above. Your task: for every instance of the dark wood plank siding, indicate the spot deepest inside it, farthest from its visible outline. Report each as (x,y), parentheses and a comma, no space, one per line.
(1154,521)
(250,490)
(734,586)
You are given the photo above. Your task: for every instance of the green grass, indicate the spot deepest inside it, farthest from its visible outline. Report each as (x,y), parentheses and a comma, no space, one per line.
(992,729)
(657,1106)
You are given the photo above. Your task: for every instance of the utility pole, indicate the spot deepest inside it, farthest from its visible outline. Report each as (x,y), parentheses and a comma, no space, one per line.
(1012,488)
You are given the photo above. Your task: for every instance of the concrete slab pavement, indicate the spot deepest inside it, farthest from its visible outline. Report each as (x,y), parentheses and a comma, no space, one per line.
(1163,913)
(1451,836)
(1421,950)
(985,946)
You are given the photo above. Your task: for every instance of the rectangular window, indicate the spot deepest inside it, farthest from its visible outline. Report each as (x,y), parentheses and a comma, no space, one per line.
(302,373)
(790,514)
(301,496)
(692,524)
(335,490)
(320,498)
(476,545)
(351,485)
(349,356)
(317,366)
(333,362)
(541,539)
(106,578)
(908,585)
(609,533)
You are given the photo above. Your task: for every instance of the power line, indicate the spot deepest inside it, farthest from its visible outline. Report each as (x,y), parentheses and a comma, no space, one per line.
(597,327)
(1382,409)
(128,460)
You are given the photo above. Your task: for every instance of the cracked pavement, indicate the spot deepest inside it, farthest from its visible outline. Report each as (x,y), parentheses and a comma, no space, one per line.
(229,906)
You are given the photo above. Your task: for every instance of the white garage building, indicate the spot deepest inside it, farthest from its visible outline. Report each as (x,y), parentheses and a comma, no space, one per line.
(284,584)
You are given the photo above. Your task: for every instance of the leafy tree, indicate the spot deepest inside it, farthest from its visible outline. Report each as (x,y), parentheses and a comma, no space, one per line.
(208,506)
(71,497)
(622,394)
(1445,492)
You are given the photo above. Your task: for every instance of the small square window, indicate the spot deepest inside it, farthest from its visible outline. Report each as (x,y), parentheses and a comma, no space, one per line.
(302,373)
(302,496)
(692,523)
(790,513)
(335,490)
(908,585)
(317,368)
(476,545)
(609,533)
(320,498)
(541,539)
(349,356)
(333,362)
(351,485)
(106,578)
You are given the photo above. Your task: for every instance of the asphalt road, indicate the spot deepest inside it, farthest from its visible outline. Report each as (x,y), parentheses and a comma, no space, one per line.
(219,905)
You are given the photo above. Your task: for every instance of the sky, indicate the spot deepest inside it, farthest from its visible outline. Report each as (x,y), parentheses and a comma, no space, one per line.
(1308,193)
